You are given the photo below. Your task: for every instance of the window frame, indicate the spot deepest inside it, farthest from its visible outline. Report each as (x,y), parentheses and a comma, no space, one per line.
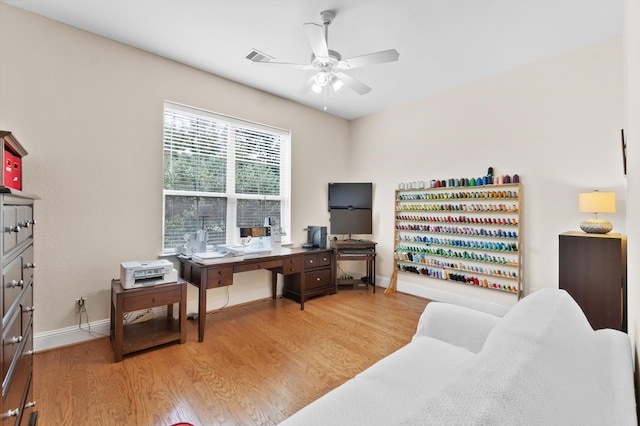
(231,196)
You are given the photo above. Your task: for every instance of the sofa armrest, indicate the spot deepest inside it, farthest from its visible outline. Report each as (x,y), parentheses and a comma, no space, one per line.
(457,325)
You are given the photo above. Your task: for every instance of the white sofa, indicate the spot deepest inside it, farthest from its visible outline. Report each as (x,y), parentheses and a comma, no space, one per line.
(541,364)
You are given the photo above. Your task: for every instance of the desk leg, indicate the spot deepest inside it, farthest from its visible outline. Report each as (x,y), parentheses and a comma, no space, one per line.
(202,305)
(302,293)
(274,284)
(202,311)
(372,274)
(182,313)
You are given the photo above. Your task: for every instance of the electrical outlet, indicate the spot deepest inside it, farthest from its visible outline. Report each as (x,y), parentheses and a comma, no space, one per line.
(80,304)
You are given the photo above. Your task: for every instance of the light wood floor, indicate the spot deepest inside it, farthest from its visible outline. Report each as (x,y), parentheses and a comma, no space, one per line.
(259,364)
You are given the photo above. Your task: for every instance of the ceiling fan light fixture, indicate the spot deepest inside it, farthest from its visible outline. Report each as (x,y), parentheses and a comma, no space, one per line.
(321,79)
(337,84)
(316,89)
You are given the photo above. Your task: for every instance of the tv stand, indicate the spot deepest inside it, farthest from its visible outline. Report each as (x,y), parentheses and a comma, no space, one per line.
(358,250)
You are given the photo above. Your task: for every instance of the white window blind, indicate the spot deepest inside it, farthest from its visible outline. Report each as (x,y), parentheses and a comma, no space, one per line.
(221,173)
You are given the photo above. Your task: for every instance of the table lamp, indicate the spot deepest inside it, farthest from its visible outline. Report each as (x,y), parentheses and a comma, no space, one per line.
(597,202)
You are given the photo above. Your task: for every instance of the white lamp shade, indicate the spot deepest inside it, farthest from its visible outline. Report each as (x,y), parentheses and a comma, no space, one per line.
(597,202)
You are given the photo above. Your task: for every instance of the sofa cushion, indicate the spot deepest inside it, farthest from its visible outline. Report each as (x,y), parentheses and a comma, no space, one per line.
(456,325)
(386,391)
(542,364)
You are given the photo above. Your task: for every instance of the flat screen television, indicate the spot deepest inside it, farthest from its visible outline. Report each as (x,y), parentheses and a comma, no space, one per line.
(350,221)
(356,195)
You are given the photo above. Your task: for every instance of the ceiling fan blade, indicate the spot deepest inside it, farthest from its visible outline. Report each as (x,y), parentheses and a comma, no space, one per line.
(315,34)
(353,84)
(390,55)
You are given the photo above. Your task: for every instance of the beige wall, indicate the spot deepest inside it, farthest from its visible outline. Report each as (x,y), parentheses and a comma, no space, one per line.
(556,123)
(89,111)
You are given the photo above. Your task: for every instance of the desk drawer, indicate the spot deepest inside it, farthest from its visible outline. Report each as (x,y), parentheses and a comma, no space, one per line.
(317,260)
(150,300)
(219,277)
(292,265)
(317,279)
(324,259)
(254,266)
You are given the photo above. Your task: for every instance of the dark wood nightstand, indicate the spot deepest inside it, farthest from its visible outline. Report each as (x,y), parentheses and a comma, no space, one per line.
(157,331)
(593,270)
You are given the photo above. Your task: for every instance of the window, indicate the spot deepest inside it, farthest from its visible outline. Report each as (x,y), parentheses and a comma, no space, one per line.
(221,173)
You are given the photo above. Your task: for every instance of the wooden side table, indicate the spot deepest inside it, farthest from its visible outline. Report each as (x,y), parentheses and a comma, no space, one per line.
(129,338)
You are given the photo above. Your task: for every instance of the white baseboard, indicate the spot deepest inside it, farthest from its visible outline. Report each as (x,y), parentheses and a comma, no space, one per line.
(101,328)
(441,296)
(73,335)
(70,335)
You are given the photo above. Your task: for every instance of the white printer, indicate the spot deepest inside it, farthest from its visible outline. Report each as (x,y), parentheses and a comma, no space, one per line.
(147,273)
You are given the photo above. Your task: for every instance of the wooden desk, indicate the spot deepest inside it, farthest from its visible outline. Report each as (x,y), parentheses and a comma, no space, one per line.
(357,250)
(301,268)
(158,331)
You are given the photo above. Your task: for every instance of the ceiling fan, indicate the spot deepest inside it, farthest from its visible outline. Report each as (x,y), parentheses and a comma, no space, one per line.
(328,64)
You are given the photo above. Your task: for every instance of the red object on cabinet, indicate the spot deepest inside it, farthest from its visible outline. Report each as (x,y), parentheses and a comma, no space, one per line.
(12,153)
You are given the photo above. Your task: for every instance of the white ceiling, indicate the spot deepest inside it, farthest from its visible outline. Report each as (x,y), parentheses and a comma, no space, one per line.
(442,43)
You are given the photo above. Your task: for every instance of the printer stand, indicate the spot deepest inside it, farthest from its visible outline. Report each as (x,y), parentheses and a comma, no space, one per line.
(129,338)
(358,250)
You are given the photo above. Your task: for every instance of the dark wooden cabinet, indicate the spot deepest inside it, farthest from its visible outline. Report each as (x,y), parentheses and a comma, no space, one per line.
(16,299)
(318,277)
(593,270)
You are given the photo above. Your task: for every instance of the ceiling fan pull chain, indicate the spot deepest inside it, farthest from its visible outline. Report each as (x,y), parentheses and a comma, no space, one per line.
(326,88)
